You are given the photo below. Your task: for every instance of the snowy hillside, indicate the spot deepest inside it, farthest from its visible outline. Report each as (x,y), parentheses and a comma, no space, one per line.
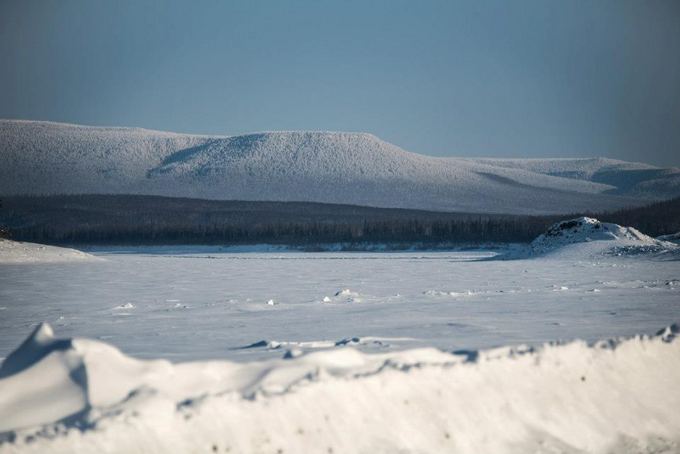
(16,252)
(559,398)
(45,157)
(597,236)
(351,168)
(673,238)
(631,178)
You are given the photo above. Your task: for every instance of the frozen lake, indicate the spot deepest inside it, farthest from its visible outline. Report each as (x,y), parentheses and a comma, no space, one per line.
(199,304)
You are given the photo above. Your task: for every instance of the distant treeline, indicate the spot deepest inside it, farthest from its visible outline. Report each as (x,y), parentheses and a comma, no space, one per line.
(134,219)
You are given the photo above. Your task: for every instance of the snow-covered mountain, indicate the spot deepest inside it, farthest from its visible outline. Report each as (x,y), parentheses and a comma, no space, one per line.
(330,167)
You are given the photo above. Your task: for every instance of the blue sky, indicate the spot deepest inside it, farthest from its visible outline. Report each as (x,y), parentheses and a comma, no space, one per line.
(517,78)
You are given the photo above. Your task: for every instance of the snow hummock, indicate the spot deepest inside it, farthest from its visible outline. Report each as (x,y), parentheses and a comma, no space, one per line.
(600,237)
(66,395)
(15,252)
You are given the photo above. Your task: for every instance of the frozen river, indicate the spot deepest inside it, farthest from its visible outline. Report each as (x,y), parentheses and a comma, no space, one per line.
(201,304)
(83,395)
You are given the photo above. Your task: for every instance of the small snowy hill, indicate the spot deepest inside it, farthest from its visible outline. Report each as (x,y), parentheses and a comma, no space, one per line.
(328,167)
(599,236)
(15,252)
(81,395)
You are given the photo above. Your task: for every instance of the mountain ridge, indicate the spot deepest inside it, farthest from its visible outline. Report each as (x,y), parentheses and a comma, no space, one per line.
(315,166)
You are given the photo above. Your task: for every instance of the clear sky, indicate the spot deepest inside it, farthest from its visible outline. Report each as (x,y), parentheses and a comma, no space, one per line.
(516,78)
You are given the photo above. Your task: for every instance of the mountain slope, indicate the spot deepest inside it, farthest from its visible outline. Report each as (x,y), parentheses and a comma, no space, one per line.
(634,178)
(46,157)
(330,167)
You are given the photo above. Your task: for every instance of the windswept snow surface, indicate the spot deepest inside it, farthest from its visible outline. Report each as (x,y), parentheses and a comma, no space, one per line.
(16,252)
(330,167)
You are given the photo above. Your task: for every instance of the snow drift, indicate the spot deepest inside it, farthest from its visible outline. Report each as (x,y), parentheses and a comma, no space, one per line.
(328,167)
(66,395)
(16,252)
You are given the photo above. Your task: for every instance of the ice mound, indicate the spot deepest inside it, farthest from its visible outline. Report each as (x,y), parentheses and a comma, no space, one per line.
(16,252)
(68,395)
(589,230)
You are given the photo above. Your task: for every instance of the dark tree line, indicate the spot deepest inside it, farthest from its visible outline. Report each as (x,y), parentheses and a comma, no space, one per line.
(116,219)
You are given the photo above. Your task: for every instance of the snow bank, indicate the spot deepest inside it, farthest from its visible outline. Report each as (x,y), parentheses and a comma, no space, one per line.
(19,252)
(616,396)
(598,236)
